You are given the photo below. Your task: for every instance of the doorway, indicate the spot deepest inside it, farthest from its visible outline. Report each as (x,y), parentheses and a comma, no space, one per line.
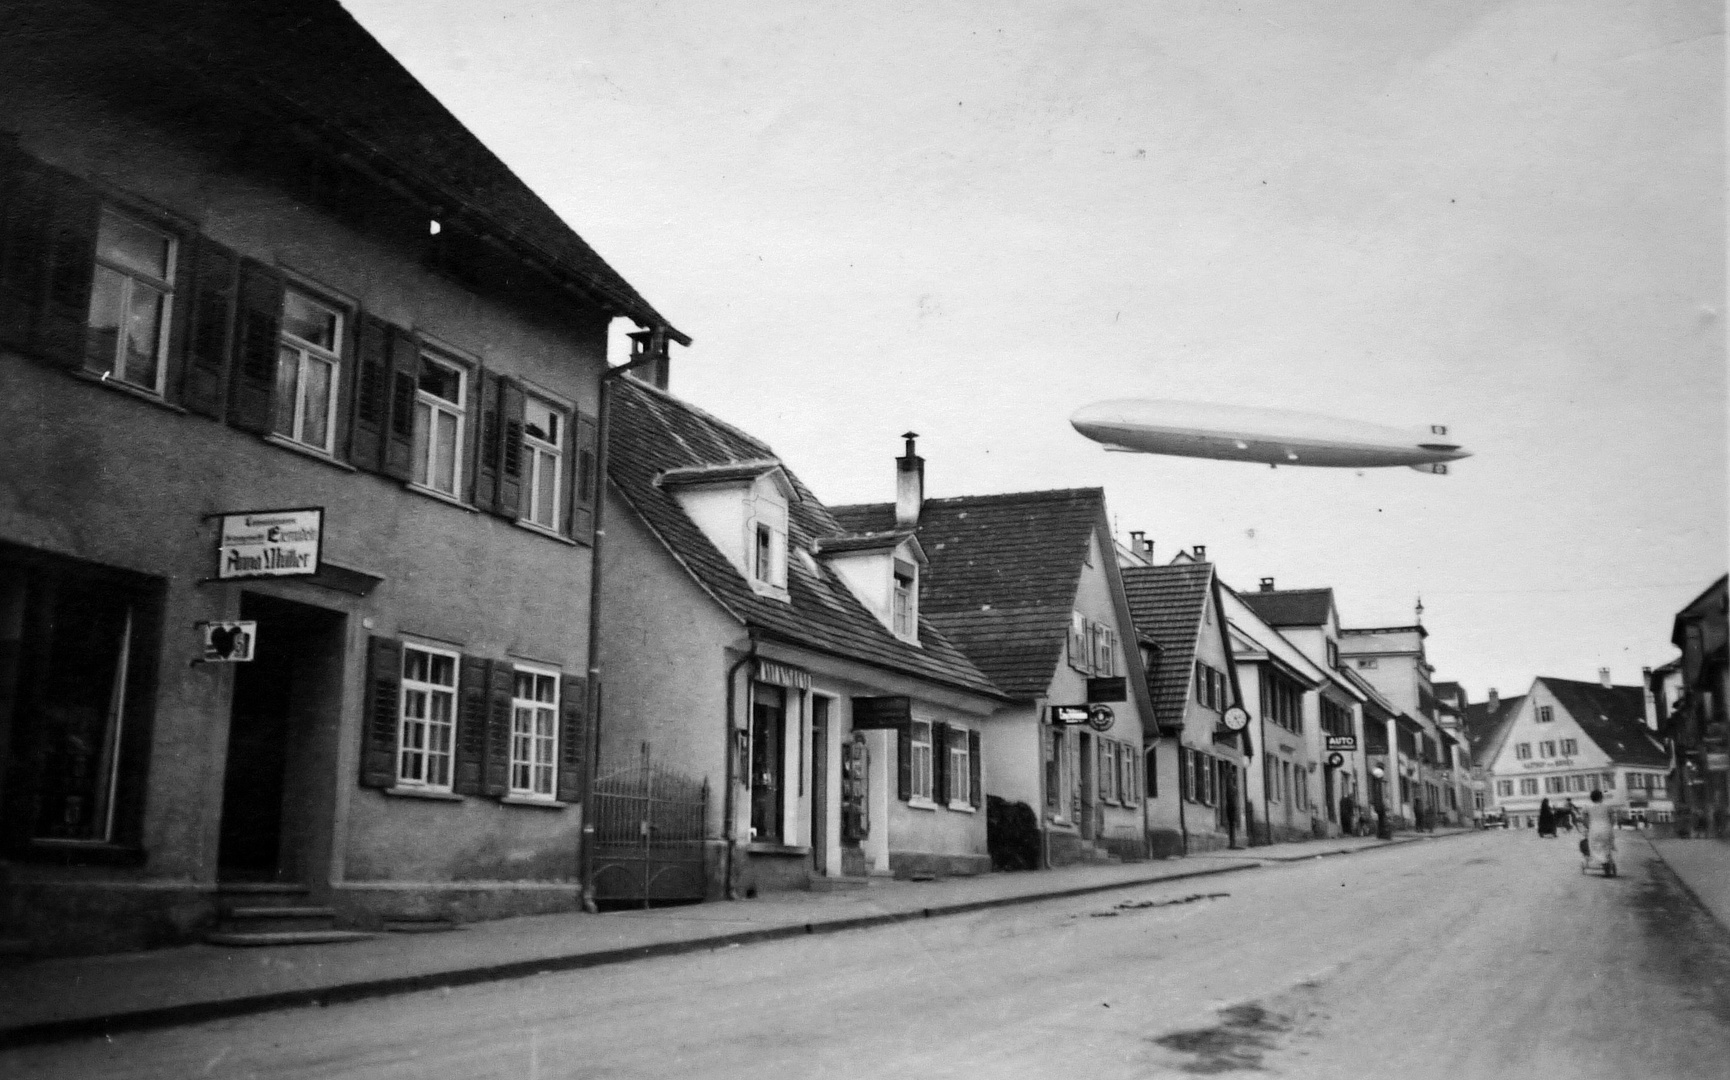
(819,783)
(768,762)
(282,699)
(1089,790)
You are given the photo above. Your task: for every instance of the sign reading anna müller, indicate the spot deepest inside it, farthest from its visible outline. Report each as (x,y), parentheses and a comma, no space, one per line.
(270,543)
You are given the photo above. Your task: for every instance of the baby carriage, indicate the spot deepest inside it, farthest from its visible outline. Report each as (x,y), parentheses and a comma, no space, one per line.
(1586,859)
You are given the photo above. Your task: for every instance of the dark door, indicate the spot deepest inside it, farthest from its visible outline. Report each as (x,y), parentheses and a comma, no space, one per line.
(819,783)
(768,762)
(1089,791)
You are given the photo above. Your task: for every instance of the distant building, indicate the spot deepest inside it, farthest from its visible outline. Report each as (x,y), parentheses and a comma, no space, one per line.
(1698,723)
(1484,726)
(1392,659)
(1565,739)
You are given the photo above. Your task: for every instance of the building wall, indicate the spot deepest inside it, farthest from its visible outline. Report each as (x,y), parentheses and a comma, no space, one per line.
(1590,761)
(1206,826)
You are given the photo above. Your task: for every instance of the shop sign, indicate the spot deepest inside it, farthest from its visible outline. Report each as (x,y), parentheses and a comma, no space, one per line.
(1336,760)
(1342,742)
(228,642)
(1107,689)
(1068,714)
(270,543)
(882,712)
(1100,717)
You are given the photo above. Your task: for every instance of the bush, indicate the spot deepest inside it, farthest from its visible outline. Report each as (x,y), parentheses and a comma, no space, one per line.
(1011,834)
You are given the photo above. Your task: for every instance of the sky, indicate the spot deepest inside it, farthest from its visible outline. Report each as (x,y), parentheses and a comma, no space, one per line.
(969,219)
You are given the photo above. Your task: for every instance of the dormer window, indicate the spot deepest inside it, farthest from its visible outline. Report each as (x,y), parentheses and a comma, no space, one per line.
(744,508)
(906,623)
(881,570)
(769,556)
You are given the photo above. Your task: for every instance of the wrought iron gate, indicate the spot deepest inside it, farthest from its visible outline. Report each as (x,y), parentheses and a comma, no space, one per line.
(649,827)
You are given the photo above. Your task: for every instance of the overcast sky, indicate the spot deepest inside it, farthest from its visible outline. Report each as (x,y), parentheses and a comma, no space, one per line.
(968,219)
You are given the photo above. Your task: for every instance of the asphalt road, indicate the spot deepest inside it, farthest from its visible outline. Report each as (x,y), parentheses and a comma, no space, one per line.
(1487,955)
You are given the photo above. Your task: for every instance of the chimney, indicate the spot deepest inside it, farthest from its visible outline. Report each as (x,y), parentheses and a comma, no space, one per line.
(1267,584)
(1604,677)
(1649,699)
(1495,702)
(1135,541)
(649,360)
(1147,551)
(1200,552)
(909,485)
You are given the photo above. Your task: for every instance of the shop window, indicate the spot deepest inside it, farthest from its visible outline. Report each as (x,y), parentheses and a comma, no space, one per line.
(1054,771)
(440,425)
(534,733)
(131,293)
(426,740)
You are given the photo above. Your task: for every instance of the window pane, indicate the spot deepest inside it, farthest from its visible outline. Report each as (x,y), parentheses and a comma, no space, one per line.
(309,320)
(441,380)
(316,419)
(546,689)
(547,491)
(442,669)
(287,381)
(444,465)
(107,293)
(143,332)
(414,664)
(134,246)
(422,422)
(541,422)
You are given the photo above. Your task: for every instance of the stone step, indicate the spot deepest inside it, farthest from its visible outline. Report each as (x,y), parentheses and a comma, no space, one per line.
(284,937)
(419,924)
(253,918)
(842,884)
(249,888)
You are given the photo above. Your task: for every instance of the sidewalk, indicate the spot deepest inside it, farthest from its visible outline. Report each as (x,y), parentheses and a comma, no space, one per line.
(1704,866)
(49,1000)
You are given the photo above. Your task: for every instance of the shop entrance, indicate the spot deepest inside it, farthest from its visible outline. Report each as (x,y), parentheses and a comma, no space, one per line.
(288,694)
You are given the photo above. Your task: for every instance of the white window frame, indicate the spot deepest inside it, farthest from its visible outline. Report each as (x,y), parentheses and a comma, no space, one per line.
(130,277)
(774,574)
(1570,747)
(1546,714)
(919,767)
(1523,751)
(1547,748)
(532,741)
(426,751)
(1505,789)
(538,453)
(1080,644)
(960,770)
(904,602)
(307,353)
(429,406)
(1528,785)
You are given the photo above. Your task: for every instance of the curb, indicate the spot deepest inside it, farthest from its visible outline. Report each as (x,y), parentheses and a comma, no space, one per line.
(196,1012)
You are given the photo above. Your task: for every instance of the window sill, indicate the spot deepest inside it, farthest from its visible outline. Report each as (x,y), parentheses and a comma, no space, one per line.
(307,451)
(963,808)
(790,850)
(441,496)
(149,397)
(773,592)
(918,803)
(542,530)
(422,793)
(528,800)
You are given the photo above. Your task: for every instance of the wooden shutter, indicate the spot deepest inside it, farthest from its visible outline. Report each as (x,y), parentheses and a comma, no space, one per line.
(252,379)
(380,725)
(496,769)
(1150,773)
(25,203)
(975,771)
(207,300)
(1104,772)
(940,763)
(573,736)
(471,741)
(904,762)
(486,428)
(398,461)
(63,333)
(1078,643)
(508,502)
(371,398)
(580,516)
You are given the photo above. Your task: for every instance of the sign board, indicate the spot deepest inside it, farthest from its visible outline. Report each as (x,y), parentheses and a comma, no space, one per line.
(1336,760)
(1100,717)
(270,543)
(1114,688)
(1342,742)
(882,712)
(228,642)
(1069,714)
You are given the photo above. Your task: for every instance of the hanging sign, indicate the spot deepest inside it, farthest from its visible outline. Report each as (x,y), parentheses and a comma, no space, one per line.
(228,642)
(1336,760)
(1114,688)
(1069,714)
(1100,717)
(270,543)
(1342,742)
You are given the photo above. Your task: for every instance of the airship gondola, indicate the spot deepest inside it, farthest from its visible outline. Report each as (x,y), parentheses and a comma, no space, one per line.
(1270,436)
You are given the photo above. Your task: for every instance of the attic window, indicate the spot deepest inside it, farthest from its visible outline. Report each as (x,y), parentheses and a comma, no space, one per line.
(769,555)
(906,601)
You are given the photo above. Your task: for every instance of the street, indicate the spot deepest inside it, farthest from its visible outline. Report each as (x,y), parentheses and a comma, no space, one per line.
(1475,956)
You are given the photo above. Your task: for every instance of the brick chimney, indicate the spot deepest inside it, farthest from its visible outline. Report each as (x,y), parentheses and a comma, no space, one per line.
(1495,702)
(649,354)
(1200,551)
(1267,584)
(1147,551)
(909,485)
(1604,677)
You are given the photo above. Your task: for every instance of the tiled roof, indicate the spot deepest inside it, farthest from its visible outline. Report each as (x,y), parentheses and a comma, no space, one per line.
(1485,727)
(862,541)
(1291,607)
(313,65)
(1002,573)
(652,432)
(1166,603)
(1614,717)
(716,474)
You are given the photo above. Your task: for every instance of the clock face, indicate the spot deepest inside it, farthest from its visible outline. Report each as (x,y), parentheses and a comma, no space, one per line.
(1236,719)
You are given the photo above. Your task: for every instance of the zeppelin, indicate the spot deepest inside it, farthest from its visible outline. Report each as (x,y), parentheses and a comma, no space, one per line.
(1272,436)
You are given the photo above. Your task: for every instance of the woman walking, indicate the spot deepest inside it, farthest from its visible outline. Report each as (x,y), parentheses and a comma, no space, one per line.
(1600,836)
(1546,820)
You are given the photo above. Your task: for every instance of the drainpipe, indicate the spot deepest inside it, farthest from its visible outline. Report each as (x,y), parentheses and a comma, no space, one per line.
(1182,820)
(1266,807)
(653,345)
(732,892)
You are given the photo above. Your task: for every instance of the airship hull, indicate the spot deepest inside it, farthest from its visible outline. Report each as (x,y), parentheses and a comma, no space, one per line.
(1268,436)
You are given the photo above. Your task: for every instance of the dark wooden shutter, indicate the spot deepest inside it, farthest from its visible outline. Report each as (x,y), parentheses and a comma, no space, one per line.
(487,437)
(573,736)
(372,377)
(508,502)
(940,763)
(496,771)
(904,762)
(1150,774)
(379,727)
(252,378)
(63,334)
(207,299)
(975,771)
(471,743)
(25,204)
(584,489)
(404,380)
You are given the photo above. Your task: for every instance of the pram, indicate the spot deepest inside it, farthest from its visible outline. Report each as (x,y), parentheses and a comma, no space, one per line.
(1586,858)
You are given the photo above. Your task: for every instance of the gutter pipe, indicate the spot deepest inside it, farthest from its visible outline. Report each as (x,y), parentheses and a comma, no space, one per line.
(732,891)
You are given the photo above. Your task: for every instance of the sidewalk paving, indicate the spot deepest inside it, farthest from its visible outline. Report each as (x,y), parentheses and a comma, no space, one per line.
(1704,866)
(73,997)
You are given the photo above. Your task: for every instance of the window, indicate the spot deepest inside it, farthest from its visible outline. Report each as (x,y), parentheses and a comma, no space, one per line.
(1523,751)
(1079,642)
(534,733)
(1126,786)
(1529,786)
(543,462)
(1547,748)
(1554,785)
(440,412)
(1333,654)
(1054,772)
(1570,747)
(960,769)
(921,759)
(1545,714)
(906,623)
(1504,787)
(1609,781)
(308,364)
(130,295)
(425,739)
(1104,650)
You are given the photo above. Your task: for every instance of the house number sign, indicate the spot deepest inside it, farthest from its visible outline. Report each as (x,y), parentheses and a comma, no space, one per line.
(270,543)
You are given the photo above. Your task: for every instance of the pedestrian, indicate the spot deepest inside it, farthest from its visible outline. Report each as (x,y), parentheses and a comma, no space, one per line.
(1346,820)
(1568,818)
(1546,820)
(1600,834)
